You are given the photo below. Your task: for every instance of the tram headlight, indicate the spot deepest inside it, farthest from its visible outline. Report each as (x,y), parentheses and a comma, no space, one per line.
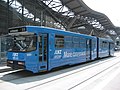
(10,62)
(20,63)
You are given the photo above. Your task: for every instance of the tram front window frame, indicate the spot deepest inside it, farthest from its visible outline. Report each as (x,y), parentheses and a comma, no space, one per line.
(23,43)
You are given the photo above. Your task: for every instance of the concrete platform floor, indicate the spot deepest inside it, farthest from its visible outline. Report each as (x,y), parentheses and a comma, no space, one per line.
(102,74)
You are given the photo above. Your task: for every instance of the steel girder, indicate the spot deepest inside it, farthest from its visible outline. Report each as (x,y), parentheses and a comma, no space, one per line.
(70,14)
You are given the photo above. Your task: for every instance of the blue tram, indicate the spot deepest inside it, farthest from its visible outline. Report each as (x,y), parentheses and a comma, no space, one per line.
(40,49)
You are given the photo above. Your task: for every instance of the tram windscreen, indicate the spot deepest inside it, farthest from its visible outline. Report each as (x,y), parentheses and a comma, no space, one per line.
(23,43)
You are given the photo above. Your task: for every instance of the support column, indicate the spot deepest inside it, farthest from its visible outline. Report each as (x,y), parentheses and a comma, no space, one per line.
(35,12)
(23,21)
(7,14)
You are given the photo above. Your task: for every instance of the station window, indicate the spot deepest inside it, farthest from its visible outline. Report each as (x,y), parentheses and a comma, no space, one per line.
(59,41)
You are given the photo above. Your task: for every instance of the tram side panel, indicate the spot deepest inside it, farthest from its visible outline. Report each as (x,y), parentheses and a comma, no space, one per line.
(66,50)
(111,48)
(92,45)
(69,49)
(94,49)
(104,48)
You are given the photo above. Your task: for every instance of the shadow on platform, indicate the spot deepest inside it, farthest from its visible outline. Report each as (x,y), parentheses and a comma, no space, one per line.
(21,77)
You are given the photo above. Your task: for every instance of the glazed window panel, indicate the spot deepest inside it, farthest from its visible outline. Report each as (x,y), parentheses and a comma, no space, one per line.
(59,41)
(68,41)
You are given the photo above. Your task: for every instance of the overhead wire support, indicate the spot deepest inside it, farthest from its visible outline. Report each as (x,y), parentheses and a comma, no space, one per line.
(51,14)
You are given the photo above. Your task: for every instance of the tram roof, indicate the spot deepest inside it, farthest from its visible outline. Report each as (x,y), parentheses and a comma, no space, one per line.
(57,31)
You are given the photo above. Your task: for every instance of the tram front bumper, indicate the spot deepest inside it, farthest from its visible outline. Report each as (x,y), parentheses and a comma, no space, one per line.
(16,64)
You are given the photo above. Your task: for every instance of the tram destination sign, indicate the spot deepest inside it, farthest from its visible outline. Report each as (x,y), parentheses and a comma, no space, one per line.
(15,30)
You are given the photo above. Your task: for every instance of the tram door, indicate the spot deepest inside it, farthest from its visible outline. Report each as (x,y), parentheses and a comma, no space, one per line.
(88,49)
(43,51)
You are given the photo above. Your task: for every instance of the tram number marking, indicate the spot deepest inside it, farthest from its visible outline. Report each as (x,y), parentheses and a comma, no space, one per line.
(15,56)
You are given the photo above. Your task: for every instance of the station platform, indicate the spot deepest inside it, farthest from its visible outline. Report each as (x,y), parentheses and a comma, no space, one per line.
(103,74)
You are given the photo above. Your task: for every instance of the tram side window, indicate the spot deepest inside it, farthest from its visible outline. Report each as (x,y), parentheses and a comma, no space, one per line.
(68,42)
(93,44)
(111,45)
(59,41)
(101,44)
(76,42)
(82,43)
(104,44)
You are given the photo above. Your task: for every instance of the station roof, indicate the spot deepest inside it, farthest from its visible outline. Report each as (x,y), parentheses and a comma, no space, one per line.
(72,14)
(76,9)
(79,14)
(80,8)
